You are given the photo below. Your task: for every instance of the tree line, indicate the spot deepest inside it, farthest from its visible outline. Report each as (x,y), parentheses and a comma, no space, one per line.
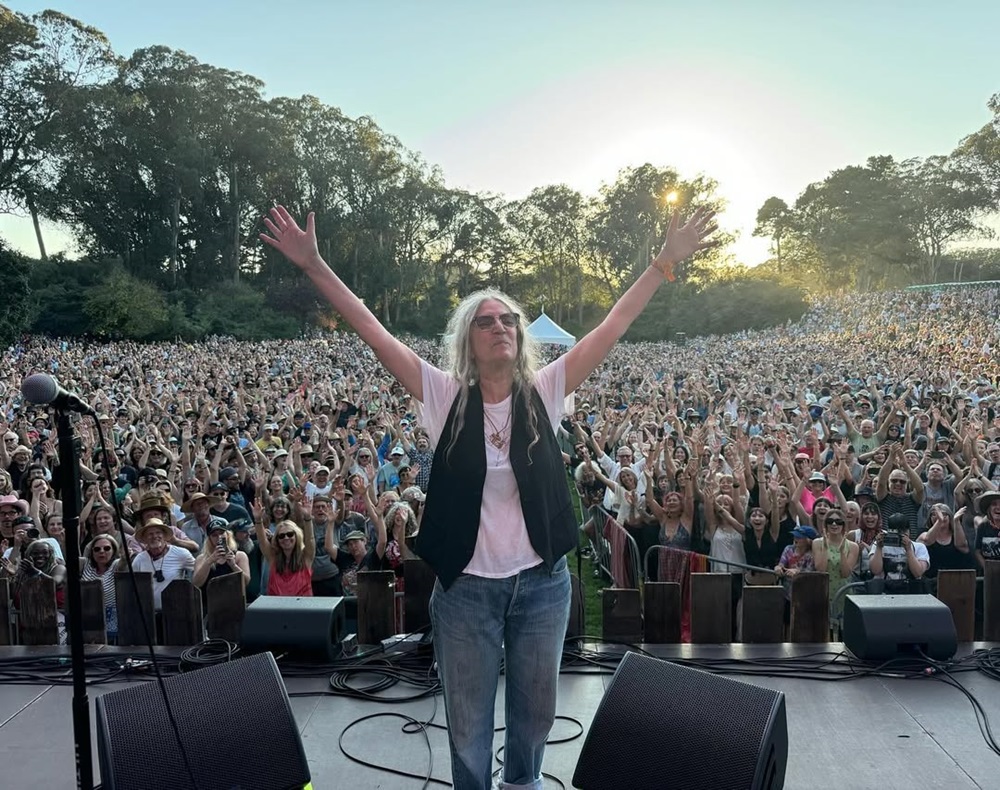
(161,167)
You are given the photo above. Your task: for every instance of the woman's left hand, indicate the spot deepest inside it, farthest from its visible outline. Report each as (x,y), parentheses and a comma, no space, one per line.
(683,241)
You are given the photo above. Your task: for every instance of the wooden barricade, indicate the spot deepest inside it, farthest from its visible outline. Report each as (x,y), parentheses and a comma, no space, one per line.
(39,625)
(957,589)
(183,623)
(810,621)
(95,627)
(622,621)
(418,585)
(6,606)
(227,606)
(661,607)
(711,608)
(376,606)
(991,601)
(763,614)
(131,612)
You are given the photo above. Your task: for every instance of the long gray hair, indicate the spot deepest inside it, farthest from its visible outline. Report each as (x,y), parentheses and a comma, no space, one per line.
(460,364)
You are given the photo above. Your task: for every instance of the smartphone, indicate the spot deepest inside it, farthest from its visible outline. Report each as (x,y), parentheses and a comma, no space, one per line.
(221,542)
(937,454)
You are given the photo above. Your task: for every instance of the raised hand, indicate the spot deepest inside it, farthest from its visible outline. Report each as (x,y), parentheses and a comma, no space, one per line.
(296,244)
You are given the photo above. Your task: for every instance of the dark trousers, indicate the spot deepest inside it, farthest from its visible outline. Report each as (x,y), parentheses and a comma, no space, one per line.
(327,587)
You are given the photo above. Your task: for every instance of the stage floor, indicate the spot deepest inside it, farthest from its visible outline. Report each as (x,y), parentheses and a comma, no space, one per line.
(866,733)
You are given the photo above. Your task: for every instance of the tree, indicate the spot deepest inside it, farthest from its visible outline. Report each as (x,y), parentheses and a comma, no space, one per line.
(551,228)
(628,220)
(944,199)
(856,218)
(44,60)
(774,221)
(981,150)
(123,305)
(15,306)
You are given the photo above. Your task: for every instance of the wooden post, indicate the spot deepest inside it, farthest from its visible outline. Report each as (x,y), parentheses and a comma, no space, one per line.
(662,613)
(763,614)
(418,583)
(39,625)
(577,617)
(183,624)
(622,620)
(376,602)
(131,612)
(957,589)
(711,608)
(95,627)
(991,601)
(810,608)
(5,613)
(227,606)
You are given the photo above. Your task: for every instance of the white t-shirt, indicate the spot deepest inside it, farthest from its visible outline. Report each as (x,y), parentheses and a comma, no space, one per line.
(172,563)
(894,559)
(502,546)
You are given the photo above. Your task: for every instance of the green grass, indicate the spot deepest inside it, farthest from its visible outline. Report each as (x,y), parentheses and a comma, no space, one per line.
(592,585)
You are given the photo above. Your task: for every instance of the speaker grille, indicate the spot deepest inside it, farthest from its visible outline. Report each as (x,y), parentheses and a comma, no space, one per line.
(665,726)
(235,724)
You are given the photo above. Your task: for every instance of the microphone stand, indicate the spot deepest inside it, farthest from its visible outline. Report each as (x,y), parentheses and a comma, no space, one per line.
(70,484)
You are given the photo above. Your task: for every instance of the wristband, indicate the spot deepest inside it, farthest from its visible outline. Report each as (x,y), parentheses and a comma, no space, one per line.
(668,276)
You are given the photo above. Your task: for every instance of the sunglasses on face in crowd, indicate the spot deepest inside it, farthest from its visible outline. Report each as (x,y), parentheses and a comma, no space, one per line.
(832,522)
(486,321)
(285,535)
(102,549)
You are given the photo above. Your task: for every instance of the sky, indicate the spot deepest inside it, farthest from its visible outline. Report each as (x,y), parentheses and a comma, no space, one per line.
(764,96)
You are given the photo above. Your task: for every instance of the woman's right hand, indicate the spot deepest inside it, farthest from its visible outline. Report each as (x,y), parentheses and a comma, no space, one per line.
(296,244)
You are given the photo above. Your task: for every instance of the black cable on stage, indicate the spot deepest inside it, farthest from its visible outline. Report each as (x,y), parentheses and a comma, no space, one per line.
(208,653)
(369,675)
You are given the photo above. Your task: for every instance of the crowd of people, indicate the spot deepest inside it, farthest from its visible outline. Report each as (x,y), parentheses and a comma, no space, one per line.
(861,441)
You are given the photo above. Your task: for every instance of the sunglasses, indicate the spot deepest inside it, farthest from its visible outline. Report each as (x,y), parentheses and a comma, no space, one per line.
(974,490)
(832,522)
(486,321)
(283,535)
(103,548)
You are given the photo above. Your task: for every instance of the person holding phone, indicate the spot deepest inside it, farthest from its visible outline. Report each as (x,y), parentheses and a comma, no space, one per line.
(219,557)
(896,558)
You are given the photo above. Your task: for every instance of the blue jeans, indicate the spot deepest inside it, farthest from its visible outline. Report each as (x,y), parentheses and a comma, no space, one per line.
(478,622)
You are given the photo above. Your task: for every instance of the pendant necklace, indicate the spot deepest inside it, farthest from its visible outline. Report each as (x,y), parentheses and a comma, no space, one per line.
(496,438)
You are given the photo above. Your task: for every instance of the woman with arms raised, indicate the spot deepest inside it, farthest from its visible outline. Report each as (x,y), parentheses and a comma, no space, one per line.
(498,518)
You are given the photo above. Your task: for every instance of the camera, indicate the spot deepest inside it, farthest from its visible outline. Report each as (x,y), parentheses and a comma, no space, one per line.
(892,539)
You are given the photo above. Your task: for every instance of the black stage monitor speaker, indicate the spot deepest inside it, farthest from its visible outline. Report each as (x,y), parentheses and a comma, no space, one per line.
(661,726)
(300,627)
(235,726)
(880,627)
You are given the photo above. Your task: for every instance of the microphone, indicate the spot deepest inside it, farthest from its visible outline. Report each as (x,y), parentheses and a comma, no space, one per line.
(41,389)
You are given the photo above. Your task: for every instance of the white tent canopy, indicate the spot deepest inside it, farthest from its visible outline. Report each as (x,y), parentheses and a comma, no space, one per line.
(545,330)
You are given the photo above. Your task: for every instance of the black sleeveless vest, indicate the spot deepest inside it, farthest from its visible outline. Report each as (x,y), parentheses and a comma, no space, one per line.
(449,527)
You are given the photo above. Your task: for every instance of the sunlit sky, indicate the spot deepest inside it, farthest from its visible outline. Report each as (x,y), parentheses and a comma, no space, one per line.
(764,96)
